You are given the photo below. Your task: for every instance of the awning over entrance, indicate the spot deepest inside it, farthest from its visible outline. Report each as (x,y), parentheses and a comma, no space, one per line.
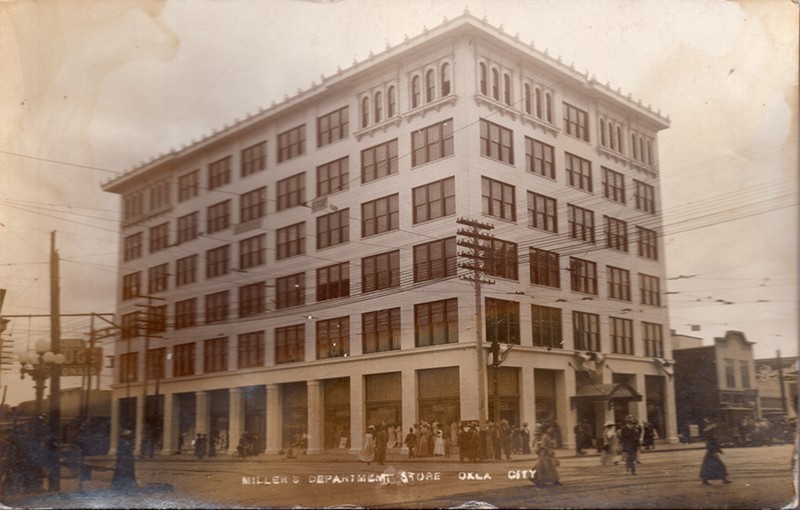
(610,393)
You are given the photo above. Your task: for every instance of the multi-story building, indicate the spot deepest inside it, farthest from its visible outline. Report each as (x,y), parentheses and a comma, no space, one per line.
(300,271)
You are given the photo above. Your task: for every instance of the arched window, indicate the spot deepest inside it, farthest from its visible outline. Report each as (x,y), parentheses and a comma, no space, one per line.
(445,79)
(611,138)
(430,86)
(391,102)
(527,92)
(484,77)
(641,149)
(602,132)
(365,112)
(633,147)
(415,92)
(495,84)
(548,104)
(378,106)
(649,154)
(538,103)
(507,88)
(620,141)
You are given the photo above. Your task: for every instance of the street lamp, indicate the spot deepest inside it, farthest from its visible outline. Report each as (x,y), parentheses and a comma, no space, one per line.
(39,365)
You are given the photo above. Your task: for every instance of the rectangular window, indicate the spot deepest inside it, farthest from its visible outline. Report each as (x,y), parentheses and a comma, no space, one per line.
(333,126)
(131,285)
(583,275)
(542,212)
(290,344)
(545,268)
(219,173)
(730,375)
(434,200)
(183,359)
(333,176)
(292,143)
(157,278)
(159,195)
(187,227)
(621,335)
(156,363)
(333,228)
(133,246)
(497,142)
(576,122)
(290,291)
(186,270)
(254,159)
(613,185)
(650,289)
(380,215)
(581,223)
(215,355)
(156,319)
(498,199)
(436,259)
(252,299)
(501,259)
(744,367)
(333,281)
(502,321)
(436,323)
(432,143)
(379,161)
(579,172)
(292,191)
(333,338)
(540,158)
(186,313)
(159,237)
(218,261)
(129,367)
(645,196)
(218,217)
(253,251)
(188,185)
(647,243)
(380,331)
(586,331)
(217,305)
(130,325)
(250,349)
(380,271)
(133,205)
(546,327)
(616,234)
(619,283)
(253,204)
(290,241)
(652,335)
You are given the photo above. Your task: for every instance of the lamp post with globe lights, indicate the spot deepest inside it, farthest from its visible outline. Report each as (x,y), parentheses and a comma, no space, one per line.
(39,365)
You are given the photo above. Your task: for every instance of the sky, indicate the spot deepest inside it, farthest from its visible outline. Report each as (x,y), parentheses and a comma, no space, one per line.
(93,88)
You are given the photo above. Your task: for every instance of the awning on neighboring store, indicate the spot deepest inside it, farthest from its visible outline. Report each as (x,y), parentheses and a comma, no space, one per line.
(592,393)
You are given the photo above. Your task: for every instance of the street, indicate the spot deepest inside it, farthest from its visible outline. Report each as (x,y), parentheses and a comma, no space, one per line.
(665,479)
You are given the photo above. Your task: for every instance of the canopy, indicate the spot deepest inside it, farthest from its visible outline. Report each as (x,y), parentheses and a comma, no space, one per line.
(591,393)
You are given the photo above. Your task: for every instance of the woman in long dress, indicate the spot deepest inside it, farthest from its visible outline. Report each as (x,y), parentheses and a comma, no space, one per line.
(546,468)
(713,468)
(610,444)
(423,446)
(438,444)
(367,453)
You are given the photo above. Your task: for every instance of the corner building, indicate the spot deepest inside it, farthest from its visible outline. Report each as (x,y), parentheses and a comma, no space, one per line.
(299,273)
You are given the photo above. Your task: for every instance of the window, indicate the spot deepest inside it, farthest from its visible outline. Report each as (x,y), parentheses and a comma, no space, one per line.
(129,367)
(290,291)
(436,259)
(159,195)
(253,251)
(159,237)
(434,200)
(645,197)
(183,359)
(333,228)
(581,223)
(502,321)
(380,271)
(540,158)
(391,102)
(616,234)
(650,289)
(333,126)
(652,335)
(290,241)
(215,355)
(156,319)
(156,363)
(744,367)
(219,173)
(252,299)
(186,270)
(185,313)
(546,327)
(542,212)
(130,325)
(586,331)
(133,205)
(576,122)
(579,172)
(217,261)
(621,335)
(157,278)
(730,375)
(254,159)
(436,323)
(188,185)
(507,88)
(483,79)
(292,191)
(380,215)
(187,227)
(333,338)
(217,306)
(613,185)
(498,199)
(619,283)
(379,161)
(250,349)
(548,104)
(380,331)
(647,244)
(292,143)
(290,344)
(364,112)
(545,269)
(253,204)
(378,106)
(131,285)
(497,142)
(430,86)
(495,84)
(218,217)
(501,259)
(445,79)
(132,246)
(526,91)
(333,281)
(583,275)
(333,176)
(432,143)
(416,93)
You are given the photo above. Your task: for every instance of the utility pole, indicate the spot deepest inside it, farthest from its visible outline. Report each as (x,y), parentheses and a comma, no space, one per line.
(474,238)
(147,432)
(780,379)
(54,443)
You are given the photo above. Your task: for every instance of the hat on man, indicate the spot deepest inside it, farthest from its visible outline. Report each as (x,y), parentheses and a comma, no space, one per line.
(609,423)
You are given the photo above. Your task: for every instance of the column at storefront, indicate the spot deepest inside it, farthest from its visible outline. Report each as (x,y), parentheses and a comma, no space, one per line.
(236,414)
(114,439)
(409,405)
(641,406)
(670,413)
(356,413)
(201,412)
(171,425)
(570,415)
(528,411)
(314,417)
(274,419)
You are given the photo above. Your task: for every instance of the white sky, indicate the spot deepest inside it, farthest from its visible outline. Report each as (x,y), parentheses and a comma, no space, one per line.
(103,85)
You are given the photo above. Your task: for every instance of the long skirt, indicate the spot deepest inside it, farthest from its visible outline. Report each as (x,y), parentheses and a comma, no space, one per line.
(713,468)
(545,470)
(367,453)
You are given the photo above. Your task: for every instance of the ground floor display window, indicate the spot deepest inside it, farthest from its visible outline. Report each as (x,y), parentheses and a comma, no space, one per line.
(506,388)
(186,403)
(337,412)
(384,395)
(254,400)
(295,415)
(218,407)
(438,391)
(654,393)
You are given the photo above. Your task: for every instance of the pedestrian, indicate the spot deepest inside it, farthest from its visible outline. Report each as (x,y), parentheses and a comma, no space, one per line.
(712,468)
(438,444)
(546,468)
(648,439)
(367,453)
(392,437)
(629,439)
(580,438)
(505,438)
(199,446)
(525,438)
(610,444)
(381,438)
(125,468)
(411,442)
(212,447)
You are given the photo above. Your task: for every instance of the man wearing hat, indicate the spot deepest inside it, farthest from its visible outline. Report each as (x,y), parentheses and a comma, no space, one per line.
(125,468)
(629,439)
